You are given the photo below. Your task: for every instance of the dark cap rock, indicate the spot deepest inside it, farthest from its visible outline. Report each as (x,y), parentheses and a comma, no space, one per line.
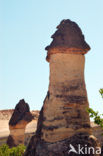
(21,112)
(68,35)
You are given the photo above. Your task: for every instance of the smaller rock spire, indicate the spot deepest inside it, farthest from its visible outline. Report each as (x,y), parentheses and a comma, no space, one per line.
(17,124)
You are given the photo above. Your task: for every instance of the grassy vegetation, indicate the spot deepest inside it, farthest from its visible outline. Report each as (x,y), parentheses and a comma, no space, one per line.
(14,151)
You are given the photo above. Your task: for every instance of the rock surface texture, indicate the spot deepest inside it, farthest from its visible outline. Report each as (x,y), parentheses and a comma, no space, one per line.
(17,124)
(63,119)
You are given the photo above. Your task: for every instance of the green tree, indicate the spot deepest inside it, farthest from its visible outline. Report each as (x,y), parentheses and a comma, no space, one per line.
(98,118)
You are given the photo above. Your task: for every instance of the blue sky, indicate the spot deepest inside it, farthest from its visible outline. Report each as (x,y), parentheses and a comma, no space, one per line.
(25,30)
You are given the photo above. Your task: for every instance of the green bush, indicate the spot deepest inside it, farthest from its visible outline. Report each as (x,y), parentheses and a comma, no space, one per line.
(98,118)
(14,151)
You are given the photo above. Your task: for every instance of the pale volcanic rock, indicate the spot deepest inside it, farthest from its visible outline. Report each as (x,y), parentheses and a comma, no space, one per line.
(67,100)
(6,114)
(17,124)
(64,119)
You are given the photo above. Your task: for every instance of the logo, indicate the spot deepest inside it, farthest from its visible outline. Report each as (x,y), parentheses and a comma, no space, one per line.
(72,149)
(84,150)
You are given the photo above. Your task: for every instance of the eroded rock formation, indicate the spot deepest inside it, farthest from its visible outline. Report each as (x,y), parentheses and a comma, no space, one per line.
(17,124)
(63,119)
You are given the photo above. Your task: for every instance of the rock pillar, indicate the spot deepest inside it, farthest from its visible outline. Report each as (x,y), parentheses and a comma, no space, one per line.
(17,124)
(64,120)
(65,110)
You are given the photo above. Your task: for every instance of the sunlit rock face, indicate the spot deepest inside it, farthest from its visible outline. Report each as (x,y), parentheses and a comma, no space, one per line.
(65,110)
(64,119)
(17,124)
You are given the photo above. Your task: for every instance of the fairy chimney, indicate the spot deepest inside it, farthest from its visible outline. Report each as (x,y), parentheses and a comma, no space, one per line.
(17,124)
(64,119)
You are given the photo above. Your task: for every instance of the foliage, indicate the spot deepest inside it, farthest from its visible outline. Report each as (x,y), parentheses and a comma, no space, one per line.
(98,118)
(14,151)
(101,92)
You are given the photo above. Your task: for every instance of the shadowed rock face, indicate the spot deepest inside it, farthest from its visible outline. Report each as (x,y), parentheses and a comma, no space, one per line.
(17,124)
(62,148)
(68,35)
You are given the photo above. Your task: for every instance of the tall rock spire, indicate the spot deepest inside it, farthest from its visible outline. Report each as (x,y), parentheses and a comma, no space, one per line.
(64,119)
